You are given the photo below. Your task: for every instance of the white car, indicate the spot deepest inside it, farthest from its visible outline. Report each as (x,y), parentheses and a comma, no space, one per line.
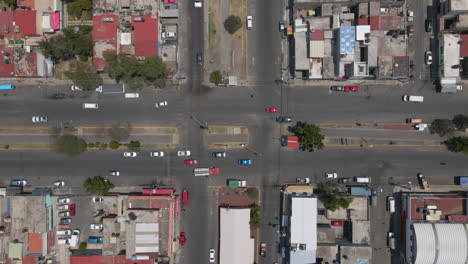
(302,180)
(169,34)
(64,232)
(428,57)
(64,214)
(75,88)
(37,119)
(98,199)
(64,200)
(96,226)
(212,255)
(63,241)
(59,183)
(183,153)
(249,22)
(331,175)
(130,154)
(157,154)
(114,173)
(160,104)
(63,207)
(197,3)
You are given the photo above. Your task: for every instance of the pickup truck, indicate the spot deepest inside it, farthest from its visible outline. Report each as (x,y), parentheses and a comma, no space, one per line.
(236,183)
(205,171)
(263,248)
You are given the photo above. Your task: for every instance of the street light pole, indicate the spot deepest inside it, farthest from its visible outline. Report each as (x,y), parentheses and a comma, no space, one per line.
(202,126)
(251,149)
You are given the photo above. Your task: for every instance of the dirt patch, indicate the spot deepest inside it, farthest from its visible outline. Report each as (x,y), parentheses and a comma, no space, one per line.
(212,36)
(236,197)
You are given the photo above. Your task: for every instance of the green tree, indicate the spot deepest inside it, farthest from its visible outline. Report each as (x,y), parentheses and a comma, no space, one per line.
(97,185)
(443,127)
(120,132)
(332,196)
(84,76)
(154,71)
(457,144)
(67,45)
(216,77)
(114,144)
(134,145)
(309,135)
(10,3)
(83,246)
(255,217)
(460,122)
(232,24)
(76,8)
(69,145)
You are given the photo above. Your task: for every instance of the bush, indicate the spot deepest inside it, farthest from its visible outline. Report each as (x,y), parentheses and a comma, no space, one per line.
(216,77)
(443,127)
(255,218)
(6,146)
(457,144)
(134,145)
(252,193)
(97,185)
(460,122)
(83,246)
(114,144)
(69,145)
(91,145)
(84,58)
(97,144)
(232,24)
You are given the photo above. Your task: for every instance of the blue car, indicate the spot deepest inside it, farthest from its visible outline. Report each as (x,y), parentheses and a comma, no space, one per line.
(244,162)
(93,239)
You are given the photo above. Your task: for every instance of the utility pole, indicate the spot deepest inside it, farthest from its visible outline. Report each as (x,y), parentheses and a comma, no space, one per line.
(202,126)
(251,149)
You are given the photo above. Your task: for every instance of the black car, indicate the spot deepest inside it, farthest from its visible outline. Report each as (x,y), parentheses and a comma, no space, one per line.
(58,96)
(428,26)
(337,88)
(199,59)
(283,119)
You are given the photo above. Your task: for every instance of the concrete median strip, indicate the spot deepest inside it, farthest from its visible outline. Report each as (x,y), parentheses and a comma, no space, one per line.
(226,137)
(369,143)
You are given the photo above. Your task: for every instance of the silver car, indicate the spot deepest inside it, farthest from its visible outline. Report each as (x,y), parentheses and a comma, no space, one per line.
(183,153)
(219,154)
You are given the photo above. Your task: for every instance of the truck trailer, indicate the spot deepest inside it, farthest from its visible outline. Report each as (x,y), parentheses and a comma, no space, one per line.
(205,171)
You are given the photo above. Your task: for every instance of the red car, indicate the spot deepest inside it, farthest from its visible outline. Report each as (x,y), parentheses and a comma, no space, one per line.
(72,209)
(351,88)
(185,199)
(182,238)
(337,223)
(270,110)
(191,162)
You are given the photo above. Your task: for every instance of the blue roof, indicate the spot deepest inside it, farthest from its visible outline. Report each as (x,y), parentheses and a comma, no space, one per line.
(347,39)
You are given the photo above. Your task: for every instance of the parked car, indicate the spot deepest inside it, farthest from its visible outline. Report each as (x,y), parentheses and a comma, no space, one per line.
(160,104)
(96,226)
(169,34)
(63,200)
(75,88)
(199,59)
(391,204)
(63,207)
(185,197)
(270,110)
(58,96)
(337,88)
(337,223)
(197,3)
(391,240)
(331,175)
(283,119)
(344,180)
(64,214)
(98,199)
(72,209)
(244,162)
(182,238)
(64,232)
(281,26)
(428,57)
(156,154)
(303,180)
(95,240)
(63,241)
(59,183)
(219,154)
(37,119)
(429,27)
(351,88)
(65,221)
(114,173)
(190,162)
(18,183)
(212,255)
(130,154)
(183,153)
(249,22)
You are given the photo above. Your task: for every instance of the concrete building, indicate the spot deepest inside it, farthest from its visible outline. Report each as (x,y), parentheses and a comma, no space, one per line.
(451,8)
(449,61)
(236,245)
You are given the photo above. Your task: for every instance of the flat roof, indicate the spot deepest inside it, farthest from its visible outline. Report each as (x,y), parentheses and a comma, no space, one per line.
(34,243)
(383,22)
(451,55)
(236,245)
(105,30)
(303,229)
(464,45)
(25,20)
(120,259)
(447,205)
(146,36)
(301,60)
(347,39)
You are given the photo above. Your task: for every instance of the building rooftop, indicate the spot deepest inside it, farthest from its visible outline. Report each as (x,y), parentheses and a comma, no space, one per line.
(447,206)
(464,45)
(347,39)
(105,37)
(355,254)
(146,36)
(234,232)
(107,260)
(458,5)
(35,243)
(384,22)
(302,62)
(303,240)
(24,21)
(451,55)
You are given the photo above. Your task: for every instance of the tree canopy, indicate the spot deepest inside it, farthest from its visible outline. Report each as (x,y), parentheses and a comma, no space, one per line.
(152,71)
(232,24)
(460,122)
(69,145)
(216,77)
(309,135)
(97,185)
(457,144)
(443,127)
(84,76)
(332,197)
(255,217)
(68,45)
(76,8)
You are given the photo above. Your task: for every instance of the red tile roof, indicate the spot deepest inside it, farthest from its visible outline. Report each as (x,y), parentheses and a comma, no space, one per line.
(35,243)
(448,206)
(317,34)
(98,57)
(363,21)
(26,3)
(28,260)
(25,20)
(464,45)
(146,36)
(107,260)
(105,30)
(7,70)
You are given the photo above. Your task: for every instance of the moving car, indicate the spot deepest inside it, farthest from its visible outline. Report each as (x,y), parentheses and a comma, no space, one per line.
(263,249)
(331,175)
(244,162)
(58,96)
(130,154)
(249,22)
(219,154)
(197,3)
(199,59)
(18,183)
(183,153)
(63,200)
(64,232)
(337,88)
(75,88)
(212,255)
(156,154)
(160,104)
(114,173)
(36,119)
(303,180)
(185,197)
(270,110)
(59,183)
(428,57)
(65,221)
(413,98)
(391,240)
(190,162)
(72,209)
(351,88)
(182,238)
(281,26)
(98,199)
(283,119)
(96,226)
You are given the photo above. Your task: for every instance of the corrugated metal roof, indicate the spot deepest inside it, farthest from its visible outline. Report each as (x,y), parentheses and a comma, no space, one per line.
(347,39)
(303,229)
(35,243)
(236,245)
(15,250)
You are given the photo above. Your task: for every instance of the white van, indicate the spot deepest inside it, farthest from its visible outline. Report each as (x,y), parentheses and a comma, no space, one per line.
(75,238)
(361,179)
(391,204)
(413,98)
(90,106)
(132,95)
(249,22)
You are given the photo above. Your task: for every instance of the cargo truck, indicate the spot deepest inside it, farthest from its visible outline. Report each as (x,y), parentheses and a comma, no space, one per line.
(290,141)
(205,171)
(237,183)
